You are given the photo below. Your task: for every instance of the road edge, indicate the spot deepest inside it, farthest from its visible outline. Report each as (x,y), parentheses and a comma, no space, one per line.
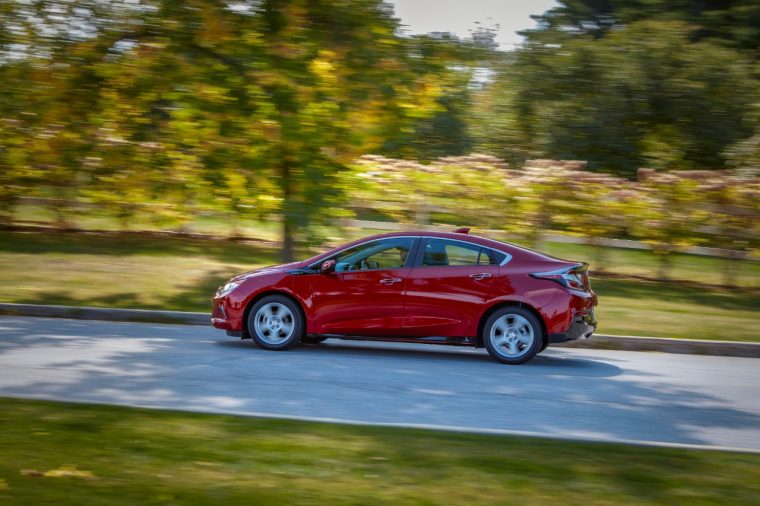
(597,341)
(105,314)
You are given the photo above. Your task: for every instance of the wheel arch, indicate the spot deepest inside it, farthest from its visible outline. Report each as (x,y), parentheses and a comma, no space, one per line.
(249,305)
(510,303)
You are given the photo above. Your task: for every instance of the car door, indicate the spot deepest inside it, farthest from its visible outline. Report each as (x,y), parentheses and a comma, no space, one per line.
(446,291)
(364,295)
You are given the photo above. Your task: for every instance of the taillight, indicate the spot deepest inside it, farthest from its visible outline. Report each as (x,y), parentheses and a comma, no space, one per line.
(573,277)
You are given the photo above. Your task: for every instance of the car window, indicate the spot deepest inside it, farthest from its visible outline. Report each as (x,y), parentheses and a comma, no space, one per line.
(383,254)
(491,257)
(497,257)
(442,252)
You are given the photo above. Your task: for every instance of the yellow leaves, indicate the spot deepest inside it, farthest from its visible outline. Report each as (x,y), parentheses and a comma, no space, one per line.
(419,100)
(64,471)
(3,485)
(215,29)
(324,68)
(206,464)
(252,38)
(270,130)
(213,94)
(235,180)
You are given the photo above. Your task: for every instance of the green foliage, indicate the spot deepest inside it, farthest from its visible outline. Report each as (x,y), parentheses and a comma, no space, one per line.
(259,111)
(669,215)
(734,23)
(744,156)
(473,187)
(670,211)
(735,209)
(191,106)
(643,95)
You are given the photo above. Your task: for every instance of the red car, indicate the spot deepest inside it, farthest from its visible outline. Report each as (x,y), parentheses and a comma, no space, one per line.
(443,288)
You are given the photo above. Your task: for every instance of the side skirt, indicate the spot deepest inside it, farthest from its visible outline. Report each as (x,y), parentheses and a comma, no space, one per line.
(455,341)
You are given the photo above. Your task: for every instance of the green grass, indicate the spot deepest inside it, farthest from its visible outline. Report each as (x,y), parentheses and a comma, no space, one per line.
(693,268)
(121,271)
(640,308)
(133,271)
(53,453)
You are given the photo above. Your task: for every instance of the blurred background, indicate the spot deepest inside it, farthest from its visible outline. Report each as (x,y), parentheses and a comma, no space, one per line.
(150,149)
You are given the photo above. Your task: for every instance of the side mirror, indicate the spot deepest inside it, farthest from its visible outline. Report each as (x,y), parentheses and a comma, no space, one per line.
(327,267)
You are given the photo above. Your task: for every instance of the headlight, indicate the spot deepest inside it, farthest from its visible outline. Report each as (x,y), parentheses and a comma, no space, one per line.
(227,288)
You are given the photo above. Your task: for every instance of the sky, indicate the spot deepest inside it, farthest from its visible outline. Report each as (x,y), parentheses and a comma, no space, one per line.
(459,16)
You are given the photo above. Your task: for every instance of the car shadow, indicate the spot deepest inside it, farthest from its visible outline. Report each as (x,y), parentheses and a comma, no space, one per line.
(572,365)
(552,362)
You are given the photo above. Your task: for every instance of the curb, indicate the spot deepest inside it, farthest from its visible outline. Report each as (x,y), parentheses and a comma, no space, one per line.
(597,341)
(106,314)
(667,345)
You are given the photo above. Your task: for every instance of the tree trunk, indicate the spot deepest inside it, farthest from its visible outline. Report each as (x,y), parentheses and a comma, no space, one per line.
(287,239)
(600,254)
(288,244)
(731,265)
(665,262)
(6,209)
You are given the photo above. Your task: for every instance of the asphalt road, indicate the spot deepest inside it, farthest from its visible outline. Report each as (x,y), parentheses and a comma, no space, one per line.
(569,393)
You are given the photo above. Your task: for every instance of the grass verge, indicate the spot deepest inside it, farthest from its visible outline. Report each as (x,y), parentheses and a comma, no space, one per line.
(182,274)
(53,453)
(641,308)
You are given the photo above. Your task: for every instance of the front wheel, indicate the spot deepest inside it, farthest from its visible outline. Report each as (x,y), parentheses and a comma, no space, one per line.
(512,335)
(275,323)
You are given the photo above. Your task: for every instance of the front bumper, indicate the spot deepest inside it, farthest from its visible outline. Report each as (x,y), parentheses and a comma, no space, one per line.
(227,313)
(219,316)
(581,328)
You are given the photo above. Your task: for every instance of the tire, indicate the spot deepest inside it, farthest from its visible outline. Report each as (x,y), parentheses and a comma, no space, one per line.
(512,335)
(275,323)
(312,339)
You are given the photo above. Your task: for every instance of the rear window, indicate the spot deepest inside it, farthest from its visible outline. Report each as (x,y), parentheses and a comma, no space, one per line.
(499,257)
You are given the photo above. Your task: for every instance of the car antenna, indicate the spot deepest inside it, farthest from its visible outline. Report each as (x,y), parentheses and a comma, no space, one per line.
(462,230)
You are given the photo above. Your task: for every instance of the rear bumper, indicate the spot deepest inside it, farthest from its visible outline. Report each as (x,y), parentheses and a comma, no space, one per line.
(581,328)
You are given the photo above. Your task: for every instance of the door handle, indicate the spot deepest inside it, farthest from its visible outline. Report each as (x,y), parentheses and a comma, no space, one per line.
(390,281)
(481,275)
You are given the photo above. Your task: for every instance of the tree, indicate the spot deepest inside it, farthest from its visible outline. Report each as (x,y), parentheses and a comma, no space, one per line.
(669,215)
(200,103)
(643,95)
(597,207)
(734,219)
(734,23)
(744,155)
(444,132)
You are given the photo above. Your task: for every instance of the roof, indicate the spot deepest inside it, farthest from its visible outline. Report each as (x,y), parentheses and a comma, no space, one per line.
(460,236)
(511,249)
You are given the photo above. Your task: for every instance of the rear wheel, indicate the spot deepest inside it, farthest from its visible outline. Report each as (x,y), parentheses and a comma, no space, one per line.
(512,335)
(275,323)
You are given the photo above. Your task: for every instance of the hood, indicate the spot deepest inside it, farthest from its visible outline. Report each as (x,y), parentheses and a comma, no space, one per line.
(267,270)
